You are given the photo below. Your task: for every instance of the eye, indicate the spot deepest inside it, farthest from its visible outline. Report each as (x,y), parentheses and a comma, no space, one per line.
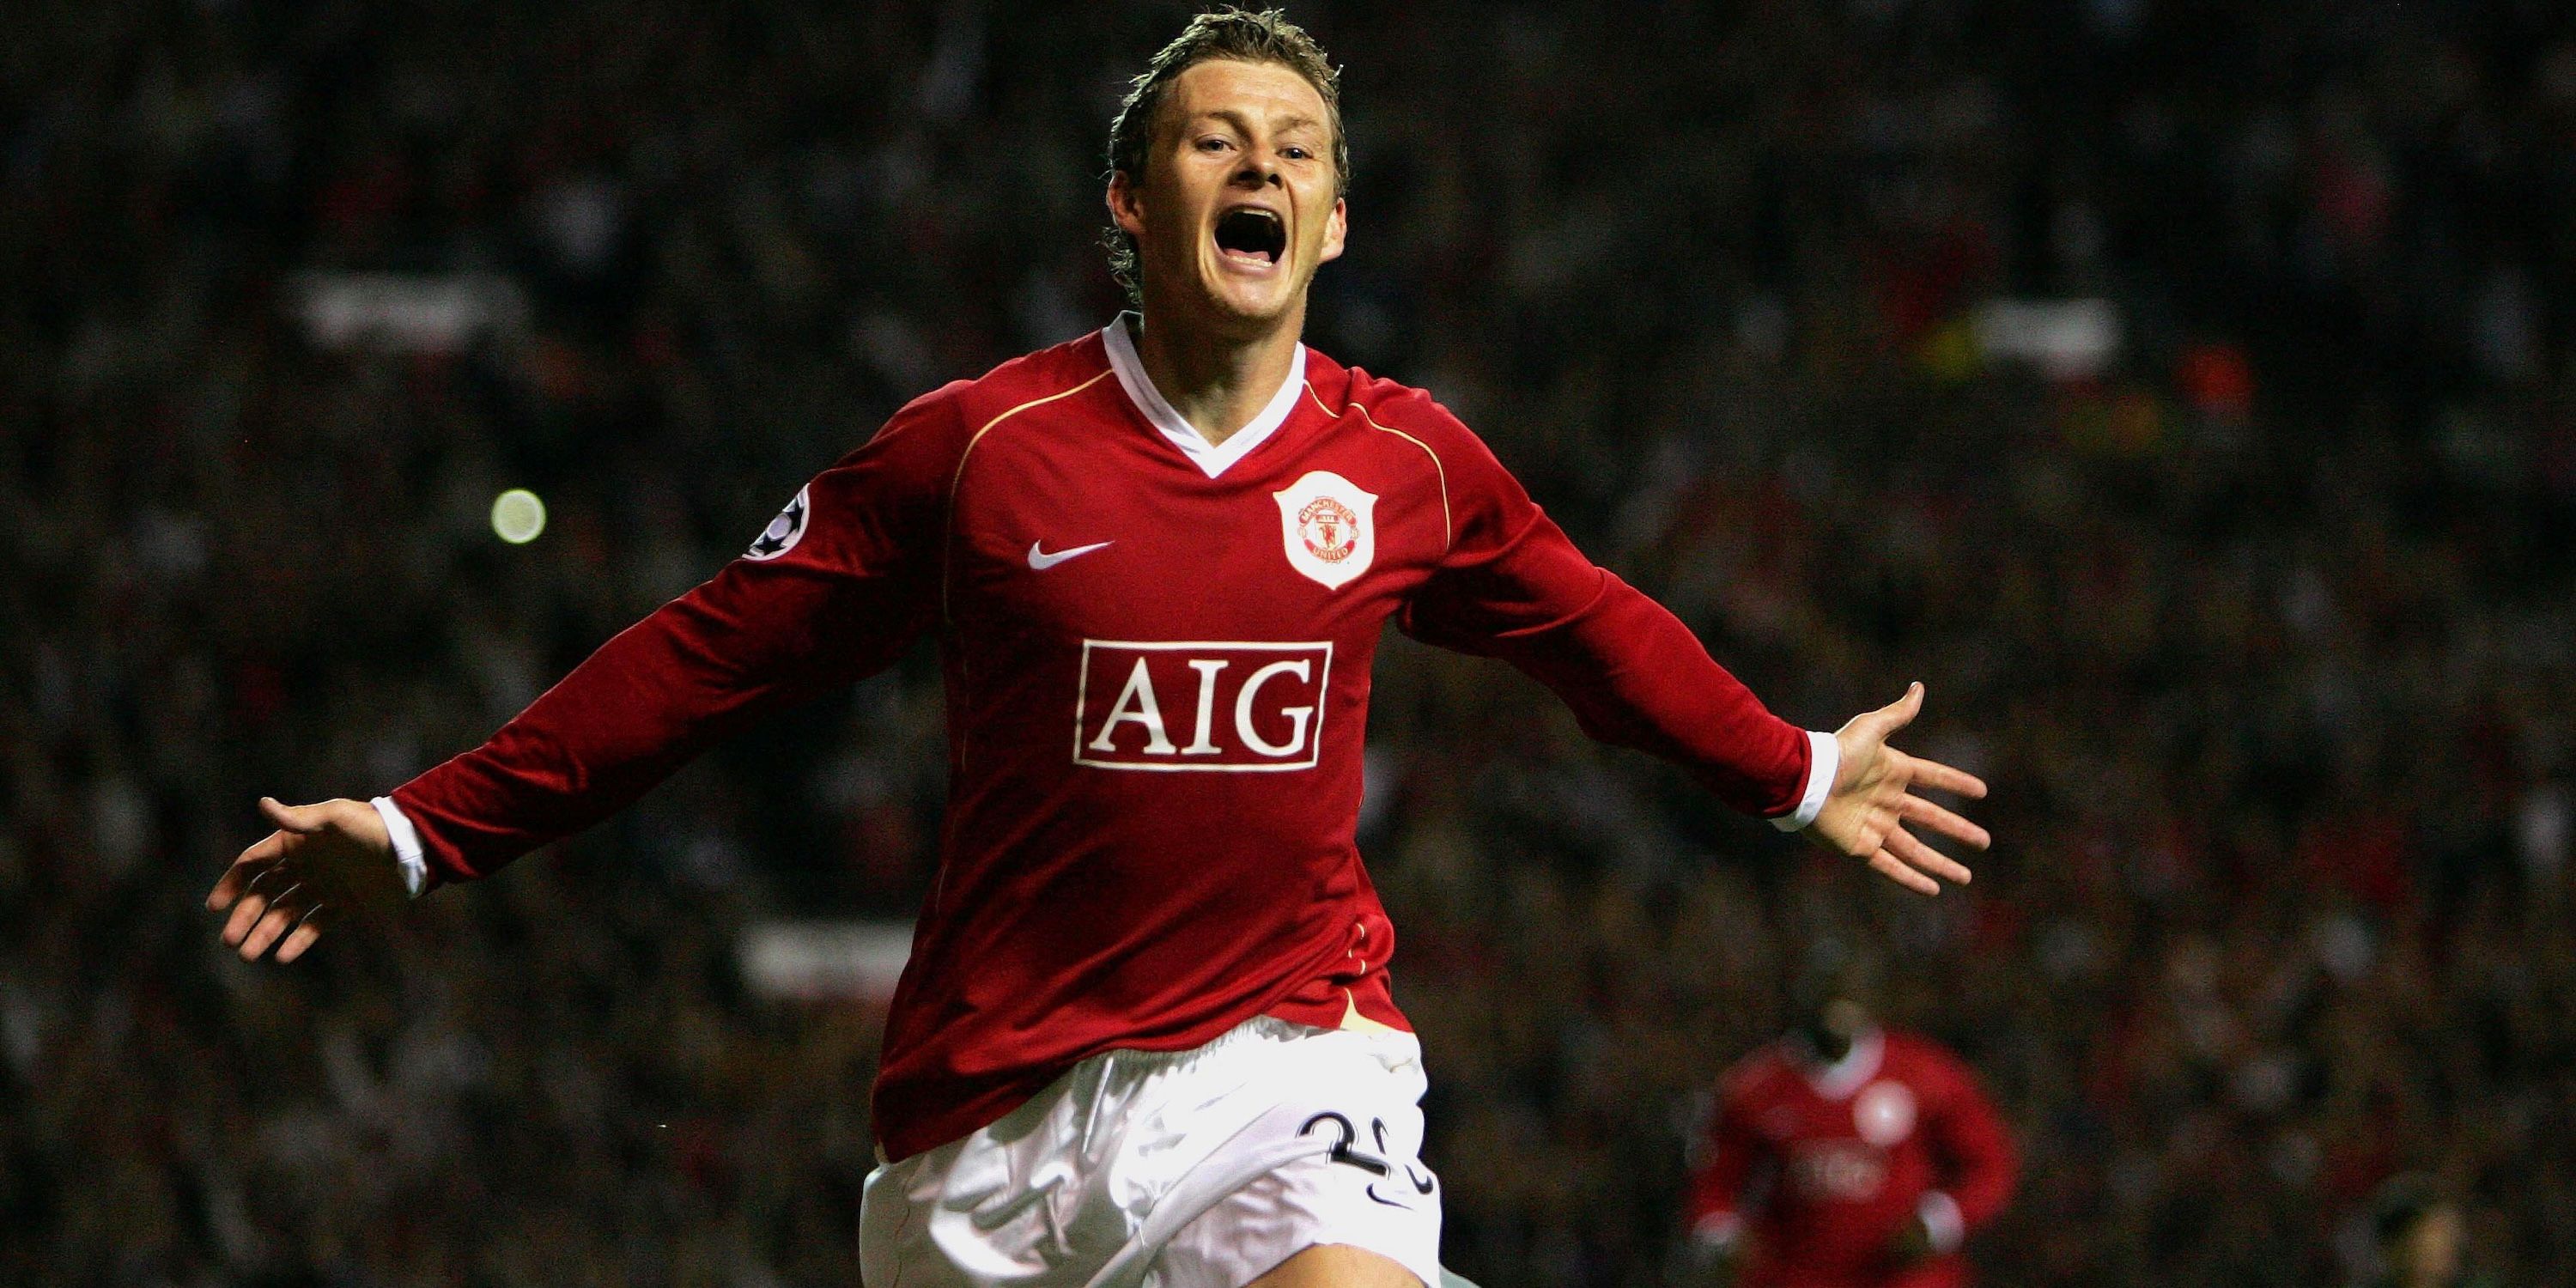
(1215,143)
(1296,153)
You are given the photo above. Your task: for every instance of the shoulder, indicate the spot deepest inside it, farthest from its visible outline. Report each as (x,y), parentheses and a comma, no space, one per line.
(1389,405)
(1475,487)
(1026,381)
(943,423)
(1926,1064)
(1033,379)
(1756,1078)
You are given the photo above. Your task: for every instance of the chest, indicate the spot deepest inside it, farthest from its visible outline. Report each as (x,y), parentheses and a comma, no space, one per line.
(1842,1149)
(1884,1114)
(1066,529)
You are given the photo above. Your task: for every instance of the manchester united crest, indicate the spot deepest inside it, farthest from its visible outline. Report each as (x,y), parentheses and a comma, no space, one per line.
(1327,526)
(1883,1114)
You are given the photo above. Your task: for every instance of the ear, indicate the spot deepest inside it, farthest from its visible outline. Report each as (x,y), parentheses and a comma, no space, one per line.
(1125,208)
(1337,228)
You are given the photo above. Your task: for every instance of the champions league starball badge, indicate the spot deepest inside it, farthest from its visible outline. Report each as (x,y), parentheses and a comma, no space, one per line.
(783,532)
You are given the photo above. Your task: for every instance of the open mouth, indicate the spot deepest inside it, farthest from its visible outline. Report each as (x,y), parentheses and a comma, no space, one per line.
(1251,232)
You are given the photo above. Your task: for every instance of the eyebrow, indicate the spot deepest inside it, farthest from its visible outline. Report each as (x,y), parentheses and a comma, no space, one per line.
(1236,117)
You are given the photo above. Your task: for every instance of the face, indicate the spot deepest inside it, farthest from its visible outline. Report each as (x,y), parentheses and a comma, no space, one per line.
(1236,208)
(2432,1248)
(1832,999)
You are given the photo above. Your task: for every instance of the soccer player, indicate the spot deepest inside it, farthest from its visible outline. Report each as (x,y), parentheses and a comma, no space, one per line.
(1146,1028)
(1847,1155)
(2421,1235)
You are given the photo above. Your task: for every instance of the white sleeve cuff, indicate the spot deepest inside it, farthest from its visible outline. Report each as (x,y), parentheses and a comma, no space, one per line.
(1824,760)
(406,839)
(1942,1221)
(1718,1230)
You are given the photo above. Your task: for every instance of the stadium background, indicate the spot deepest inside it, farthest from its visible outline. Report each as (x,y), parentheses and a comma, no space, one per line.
(2255,608)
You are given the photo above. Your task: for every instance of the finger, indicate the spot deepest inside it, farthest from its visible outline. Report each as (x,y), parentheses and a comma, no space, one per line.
(246,914)
(1934,774)
(303,820)
(270,880)
(281,918)
(246,869)
(1915,809)
(1890,867)
(304,935)
(1905,845)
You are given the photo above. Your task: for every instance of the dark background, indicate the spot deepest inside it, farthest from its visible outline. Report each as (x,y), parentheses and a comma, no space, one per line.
(2261,632)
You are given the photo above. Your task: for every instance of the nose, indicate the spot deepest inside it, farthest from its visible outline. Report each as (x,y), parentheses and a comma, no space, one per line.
(1259,172)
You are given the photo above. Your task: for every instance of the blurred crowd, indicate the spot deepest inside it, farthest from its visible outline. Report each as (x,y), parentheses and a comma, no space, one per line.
(2260,630)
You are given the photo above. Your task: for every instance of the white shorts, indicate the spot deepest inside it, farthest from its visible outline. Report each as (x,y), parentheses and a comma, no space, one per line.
(1185,1169)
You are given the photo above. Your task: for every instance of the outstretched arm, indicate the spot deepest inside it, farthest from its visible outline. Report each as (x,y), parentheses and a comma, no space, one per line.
(1873,798)
(834,590)
(1729,1153)
(1979,1163)
(1511,585)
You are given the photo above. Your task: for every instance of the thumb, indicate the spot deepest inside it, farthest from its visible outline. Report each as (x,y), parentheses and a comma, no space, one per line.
(303,820)
(1898,714)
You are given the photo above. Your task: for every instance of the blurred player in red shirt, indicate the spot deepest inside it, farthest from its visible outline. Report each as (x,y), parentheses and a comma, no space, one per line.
(1847,1155)
(1146,1031)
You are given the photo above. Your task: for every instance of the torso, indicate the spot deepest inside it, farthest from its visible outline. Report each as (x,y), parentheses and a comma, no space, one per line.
(1158,685)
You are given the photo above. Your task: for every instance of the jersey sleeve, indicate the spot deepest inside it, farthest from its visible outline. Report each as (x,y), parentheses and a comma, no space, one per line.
(1974,1151)
(833,590)
(1514,587)
(1728,1149)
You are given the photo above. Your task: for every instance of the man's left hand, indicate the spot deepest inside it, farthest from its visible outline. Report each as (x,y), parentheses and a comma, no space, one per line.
(1912,1243)
(1873,799)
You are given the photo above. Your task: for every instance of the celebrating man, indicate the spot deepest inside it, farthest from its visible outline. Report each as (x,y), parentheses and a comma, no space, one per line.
(1146,1029)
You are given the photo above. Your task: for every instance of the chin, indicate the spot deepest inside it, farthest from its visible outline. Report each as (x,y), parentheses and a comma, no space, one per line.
(1247,310)
(1234,307)
(1264,310)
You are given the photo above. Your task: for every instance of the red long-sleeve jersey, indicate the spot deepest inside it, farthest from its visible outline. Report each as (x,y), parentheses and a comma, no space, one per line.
(1821,1168)
(1156,655)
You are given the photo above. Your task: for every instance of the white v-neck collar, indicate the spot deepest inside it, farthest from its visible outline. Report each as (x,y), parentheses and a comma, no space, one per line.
(1838,1079)
(1211,458)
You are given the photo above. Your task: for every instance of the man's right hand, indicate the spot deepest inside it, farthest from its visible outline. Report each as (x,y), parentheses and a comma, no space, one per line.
(1714,1263)
(1912,1244)
(324,862)
(1714,1268)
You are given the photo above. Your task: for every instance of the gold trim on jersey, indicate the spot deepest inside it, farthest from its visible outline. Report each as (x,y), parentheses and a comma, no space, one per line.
(1448,535)
(957,480)
(1358,1023)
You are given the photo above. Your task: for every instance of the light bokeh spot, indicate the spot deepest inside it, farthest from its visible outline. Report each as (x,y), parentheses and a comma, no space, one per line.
(518,517)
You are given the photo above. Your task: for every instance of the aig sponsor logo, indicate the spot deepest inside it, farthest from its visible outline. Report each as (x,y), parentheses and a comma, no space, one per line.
(1842,1170)
(1200,705)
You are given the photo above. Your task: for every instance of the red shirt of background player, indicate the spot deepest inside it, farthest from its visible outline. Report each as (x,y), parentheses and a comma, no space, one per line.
(1820,1168)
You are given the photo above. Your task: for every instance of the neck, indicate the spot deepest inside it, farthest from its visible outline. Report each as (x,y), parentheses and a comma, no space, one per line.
(1217,382)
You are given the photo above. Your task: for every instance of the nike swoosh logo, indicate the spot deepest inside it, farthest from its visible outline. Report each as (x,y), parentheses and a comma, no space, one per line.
(1041,560)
